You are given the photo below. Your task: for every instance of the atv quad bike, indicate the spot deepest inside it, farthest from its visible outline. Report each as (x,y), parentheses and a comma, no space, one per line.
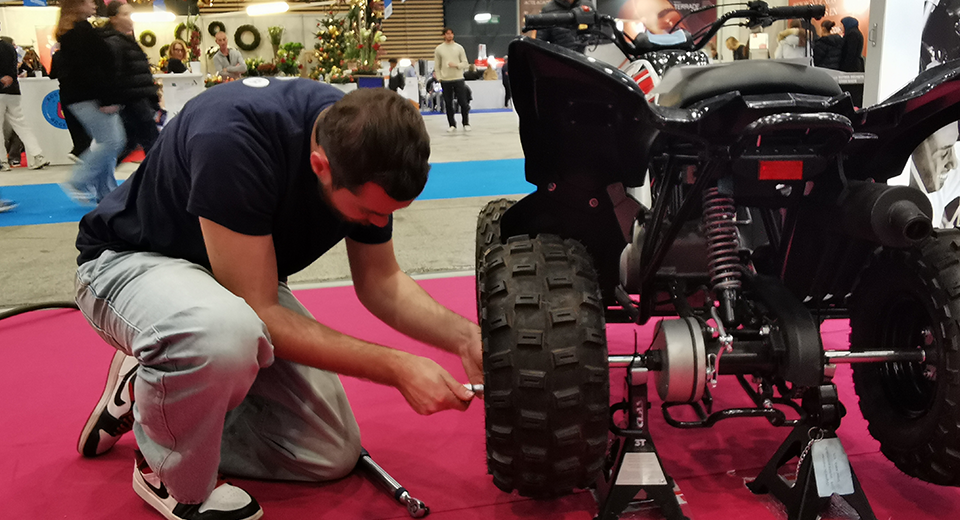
(768,212)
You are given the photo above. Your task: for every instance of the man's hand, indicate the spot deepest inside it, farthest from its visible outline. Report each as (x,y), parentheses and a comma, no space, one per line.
(428,388)
(452,65)
(6,81)
(110,109)
(471,354)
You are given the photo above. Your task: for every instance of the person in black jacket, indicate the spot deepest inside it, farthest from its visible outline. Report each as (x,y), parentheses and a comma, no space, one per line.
(136,90)
(10,110)
(827,48)
(31,65)
(561,36)
(87,89)
(397,81)
(851,54)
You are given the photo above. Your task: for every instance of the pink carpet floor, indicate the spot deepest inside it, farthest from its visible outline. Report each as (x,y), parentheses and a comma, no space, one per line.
(53,372)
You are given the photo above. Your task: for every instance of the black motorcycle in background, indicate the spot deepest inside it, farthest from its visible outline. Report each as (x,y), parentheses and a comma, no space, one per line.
(766,210)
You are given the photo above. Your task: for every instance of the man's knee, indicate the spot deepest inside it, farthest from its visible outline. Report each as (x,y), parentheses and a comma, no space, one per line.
(225,338)
(342,461)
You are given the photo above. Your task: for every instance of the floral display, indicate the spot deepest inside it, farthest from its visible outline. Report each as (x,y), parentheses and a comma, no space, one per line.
(288,58)
(252,65)
(212,81)
(364,36)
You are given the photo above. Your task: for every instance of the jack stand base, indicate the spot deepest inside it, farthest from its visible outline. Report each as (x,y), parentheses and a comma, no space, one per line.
(638,468)
(802,499)
(633,464)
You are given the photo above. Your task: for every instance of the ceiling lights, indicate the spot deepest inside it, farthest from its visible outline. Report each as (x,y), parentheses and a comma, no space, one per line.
(267,8)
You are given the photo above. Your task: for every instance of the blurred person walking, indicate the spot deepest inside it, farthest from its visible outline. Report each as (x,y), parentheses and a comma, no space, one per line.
(136,91)
(10,110)
(88,90)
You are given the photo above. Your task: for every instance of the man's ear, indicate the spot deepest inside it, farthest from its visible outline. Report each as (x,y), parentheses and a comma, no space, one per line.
(321,166)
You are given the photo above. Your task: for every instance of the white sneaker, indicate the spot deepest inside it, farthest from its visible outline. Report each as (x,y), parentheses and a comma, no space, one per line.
(113,415)
(451,129)
(7,205)
(466,128)
(225,503)
(5,166)
(81,197)
(37,162)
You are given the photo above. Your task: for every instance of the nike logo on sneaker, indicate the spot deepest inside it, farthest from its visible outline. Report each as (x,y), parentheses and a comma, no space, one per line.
(161,492)
(118,397)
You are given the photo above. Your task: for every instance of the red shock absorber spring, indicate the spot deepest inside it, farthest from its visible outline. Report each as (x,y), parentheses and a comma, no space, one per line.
(723,246)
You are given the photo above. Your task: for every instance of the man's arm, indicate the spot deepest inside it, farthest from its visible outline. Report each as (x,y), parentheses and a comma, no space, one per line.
(246,266)
(241,66)
(219,61)
(464,64)
(397,300)
(8,64)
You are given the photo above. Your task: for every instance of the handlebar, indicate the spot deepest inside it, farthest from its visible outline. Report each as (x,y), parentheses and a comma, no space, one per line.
(544,21)
(585,19)
(798,11)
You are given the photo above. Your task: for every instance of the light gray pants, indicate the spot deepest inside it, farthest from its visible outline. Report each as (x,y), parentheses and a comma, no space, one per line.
(209,394)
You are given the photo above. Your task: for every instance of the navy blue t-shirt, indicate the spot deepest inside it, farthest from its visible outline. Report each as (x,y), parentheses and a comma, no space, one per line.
(238,155)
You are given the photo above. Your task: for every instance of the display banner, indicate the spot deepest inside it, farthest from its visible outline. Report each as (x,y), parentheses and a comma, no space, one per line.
(387,8)
(34,3)
(941,33)
(658,16)
(934,166)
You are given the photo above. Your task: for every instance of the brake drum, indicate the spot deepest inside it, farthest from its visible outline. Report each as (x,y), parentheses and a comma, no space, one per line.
(683,374)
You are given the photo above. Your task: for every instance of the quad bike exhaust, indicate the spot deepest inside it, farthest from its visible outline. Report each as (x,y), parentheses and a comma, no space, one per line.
(894,216)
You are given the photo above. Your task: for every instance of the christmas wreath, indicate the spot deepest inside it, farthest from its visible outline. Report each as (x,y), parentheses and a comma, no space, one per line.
(148,39)
(216,27)
(238,37)
(181,27)
(164,49)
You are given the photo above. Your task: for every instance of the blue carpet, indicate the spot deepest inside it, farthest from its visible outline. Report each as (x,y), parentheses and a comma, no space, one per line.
(47,204)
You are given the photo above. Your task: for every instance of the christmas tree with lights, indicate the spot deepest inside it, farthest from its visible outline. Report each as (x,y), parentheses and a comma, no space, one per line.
(329,49)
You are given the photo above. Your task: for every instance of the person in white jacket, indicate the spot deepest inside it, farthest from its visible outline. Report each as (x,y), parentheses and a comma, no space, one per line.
(793,43)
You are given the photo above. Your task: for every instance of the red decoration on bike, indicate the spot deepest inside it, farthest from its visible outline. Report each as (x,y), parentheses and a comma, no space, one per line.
(781,170)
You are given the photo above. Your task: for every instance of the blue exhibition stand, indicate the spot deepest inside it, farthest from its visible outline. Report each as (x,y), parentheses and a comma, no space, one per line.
(369,81)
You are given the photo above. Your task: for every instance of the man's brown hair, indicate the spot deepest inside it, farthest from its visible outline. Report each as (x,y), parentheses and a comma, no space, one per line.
(375,135)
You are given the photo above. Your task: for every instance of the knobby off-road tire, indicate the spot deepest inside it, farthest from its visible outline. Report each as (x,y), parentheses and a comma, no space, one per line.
(488,234)
(545,366)
(910,299)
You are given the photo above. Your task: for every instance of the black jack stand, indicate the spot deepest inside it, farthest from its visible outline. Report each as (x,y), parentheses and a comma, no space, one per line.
(633,464)
(802,500)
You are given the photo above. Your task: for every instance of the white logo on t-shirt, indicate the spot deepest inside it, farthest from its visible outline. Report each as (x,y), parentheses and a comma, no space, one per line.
(256,82)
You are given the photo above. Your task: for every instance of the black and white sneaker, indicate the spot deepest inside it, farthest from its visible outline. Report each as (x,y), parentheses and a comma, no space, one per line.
(227,502)
(113,415)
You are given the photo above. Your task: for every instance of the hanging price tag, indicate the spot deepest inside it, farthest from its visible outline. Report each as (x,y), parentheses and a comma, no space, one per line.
(831,467)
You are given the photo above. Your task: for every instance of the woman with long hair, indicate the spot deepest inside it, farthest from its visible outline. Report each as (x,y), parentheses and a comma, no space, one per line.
(176,54)
(31,64)
(88,91)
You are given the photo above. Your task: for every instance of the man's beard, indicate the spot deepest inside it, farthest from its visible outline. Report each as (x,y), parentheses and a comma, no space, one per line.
(328,200)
